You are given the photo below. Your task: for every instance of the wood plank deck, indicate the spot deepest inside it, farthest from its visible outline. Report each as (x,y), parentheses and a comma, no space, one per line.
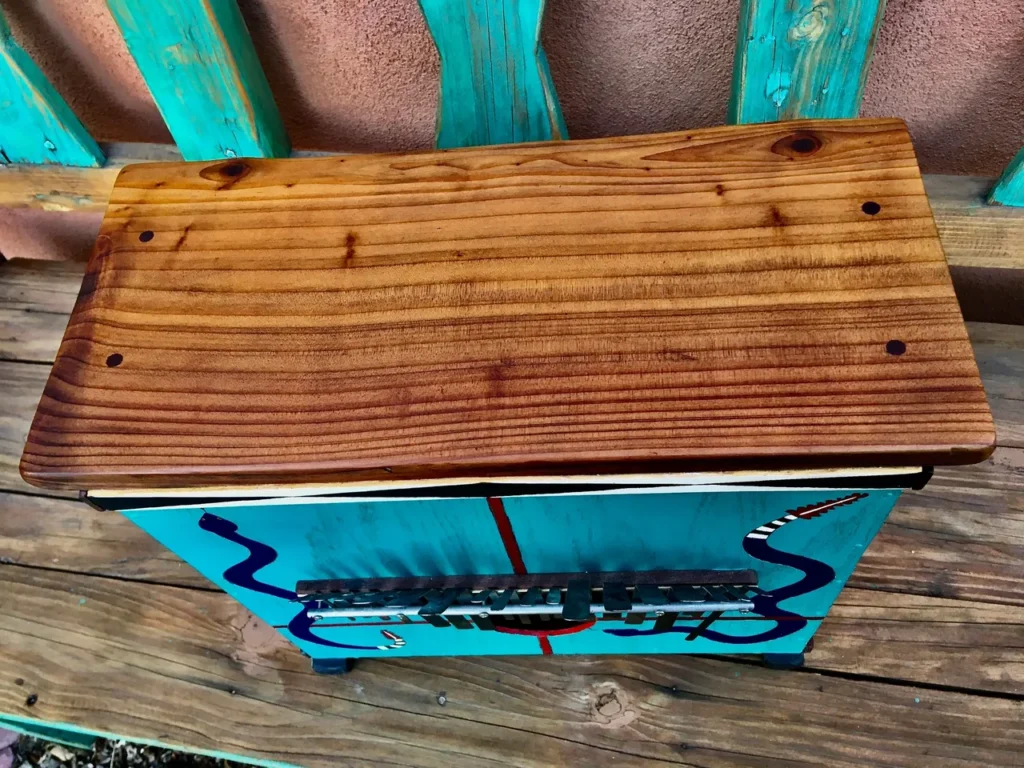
(921,662)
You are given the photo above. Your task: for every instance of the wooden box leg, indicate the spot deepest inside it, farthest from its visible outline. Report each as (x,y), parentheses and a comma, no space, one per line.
(333,666)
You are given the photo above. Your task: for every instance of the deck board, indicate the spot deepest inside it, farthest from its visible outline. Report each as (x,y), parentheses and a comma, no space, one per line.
(201,674)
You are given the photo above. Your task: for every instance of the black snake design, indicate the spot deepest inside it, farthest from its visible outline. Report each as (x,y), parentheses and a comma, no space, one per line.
(243,575)
(816,575)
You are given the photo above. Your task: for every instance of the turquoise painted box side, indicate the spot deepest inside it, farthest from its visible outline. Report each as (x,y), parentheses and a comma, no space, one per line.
(802,543)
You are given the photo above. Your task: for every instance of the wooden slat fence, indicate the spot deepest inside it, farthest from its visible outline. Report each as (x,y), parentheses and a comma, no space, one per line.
(794,59)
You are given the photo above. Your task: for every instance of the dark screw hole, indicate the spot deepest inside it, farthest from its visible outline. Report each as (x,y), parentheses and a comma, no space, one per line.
(115,360)
(146,236)
(895,347)
(31,700)
(804,144)
(233,169)
(871,207)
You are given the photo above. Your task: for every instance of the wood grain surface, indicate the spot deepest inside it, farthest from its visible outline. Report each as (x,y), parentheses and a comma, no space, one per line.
(202,69)
(194,669)
(928,679)
(35,301)
(21,386)
(802,59)
(38,125)
(743,296)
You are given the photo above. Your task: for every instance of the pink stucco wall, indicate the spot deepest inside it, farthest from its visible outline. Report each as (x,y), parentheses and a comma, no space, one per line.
(360,75)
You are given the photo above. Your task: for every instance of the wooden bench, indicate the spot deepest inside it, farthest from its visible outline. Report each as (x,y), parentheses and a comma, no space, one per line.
(919,663)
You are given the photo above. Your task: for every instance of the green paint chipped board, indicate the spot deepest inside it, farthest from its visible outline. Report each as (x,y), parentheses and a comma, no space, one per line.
(1009,190)
(201,67)
(36,124)
(496,87)
(802,58)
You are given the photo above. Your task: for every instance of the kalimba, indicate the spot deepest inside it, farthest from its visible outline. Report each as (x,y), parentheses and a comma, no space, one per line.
(635,395)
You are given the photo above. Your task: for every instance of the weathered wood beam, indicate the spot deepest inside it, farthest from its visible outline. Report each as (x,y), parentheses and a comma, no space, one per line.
(1009,190)
(200,65)
(68,188)
(802,58)
(495,84)
(973,233)
(36,124)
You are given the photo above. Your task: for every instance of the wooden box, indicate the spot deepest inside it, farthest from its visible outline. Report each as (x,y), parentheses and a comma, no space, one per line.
(636,395)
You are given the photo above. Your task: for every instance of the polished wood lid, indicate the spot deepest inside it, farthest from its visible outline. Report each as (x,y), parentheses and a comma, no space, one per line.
(748,296)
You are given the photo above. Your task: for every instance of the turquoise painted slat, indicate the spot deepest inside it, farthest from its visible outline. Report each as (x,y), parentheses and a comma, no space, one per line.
(47,732)
(496,87)
(36,124)
(82,737)
(802,58)
(201,67)
(1009,190)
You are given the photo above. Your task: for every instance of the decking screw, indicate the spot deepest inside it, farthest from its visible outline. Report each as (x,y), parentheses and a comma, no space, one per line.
(442,699)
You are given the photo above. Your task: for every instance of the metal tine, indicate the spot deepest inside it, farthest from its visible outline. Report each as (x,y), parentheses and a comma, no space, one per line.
(482,621)
(577,600)
(460,622)
(337,601)
(533,596)
(498,603)
(438,601)
(636,618)
(706,622)
(616,599)
(685,594)
(717,593)
(731,592)
(406,598)
(650,594)
(665,622)
(554,596)
(384,598)
(367,598)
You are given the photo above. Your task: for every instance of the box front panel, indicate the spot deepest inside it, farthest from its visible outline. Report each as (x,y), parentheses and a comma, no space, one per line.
(803,544)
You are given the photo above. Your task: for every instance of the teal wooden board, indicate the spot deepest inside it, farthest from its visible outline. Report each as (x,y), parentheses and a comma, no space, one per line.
(201,67)
(258,551)
(36,124)
(1009,190)
(76,736)
(496,87)
(49,733)
(802,58)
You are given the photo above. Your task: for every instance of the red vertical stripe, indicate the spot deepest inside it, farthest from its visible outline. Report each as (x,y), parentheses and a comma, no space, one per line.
(508,537)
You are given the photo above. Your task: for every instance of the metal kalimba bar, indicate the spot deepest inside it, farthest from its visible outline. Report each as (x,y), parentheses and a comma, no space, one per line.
(464,601)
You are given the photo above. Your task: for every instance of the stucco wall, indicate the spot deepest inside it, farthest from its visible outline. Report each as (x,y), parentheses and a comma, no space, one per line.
(362,74)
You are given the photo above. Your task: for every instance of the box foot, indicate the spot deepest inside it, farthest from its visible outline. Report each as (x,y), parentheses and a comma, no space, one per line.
(333,666)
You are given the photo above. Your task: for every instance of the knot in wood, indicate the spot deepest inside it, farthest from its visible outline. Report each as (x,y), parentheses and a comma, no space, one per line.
(812,25)
(611,706)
